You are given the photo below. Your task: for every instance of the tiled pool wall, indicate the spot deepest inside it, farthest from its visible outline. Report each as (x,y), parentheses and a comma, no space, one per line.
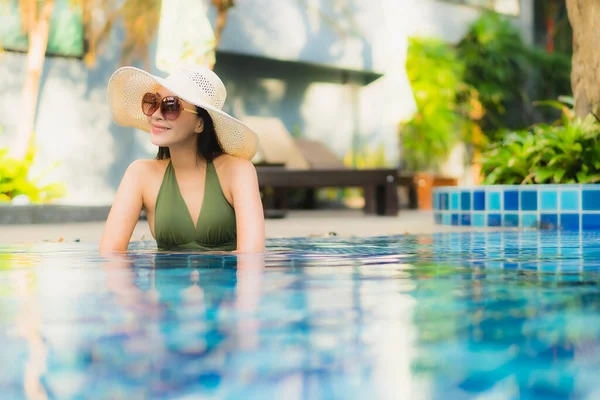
(564,207)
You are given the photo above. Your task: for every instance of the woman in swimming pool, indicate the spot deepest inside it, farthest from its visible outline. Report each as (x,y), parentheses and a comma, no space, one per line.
(201,192)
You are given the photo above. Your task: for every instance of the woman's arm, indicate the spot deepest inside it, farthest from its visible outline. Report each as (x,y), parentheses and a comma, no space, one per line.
(125,211)
(248,208)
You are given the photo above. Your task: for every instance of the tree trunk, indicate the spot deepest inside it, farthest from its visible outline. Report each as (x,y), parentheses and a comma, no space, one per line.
(550,33)
(220,25)
(38,43)
(584,16)
(222,7)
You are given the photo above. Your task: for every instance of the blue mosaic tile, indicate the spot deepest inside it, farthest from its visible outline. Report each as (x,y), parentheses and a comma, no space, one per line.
(494,220)
(549,221)
(494,201)
(571,251)
(511,220)
(454,220)
(549,201)
(511,200)
(529,201)
(529,266)
(546,250)
(478,220)
(544,207)
(479,200)
(465,220)
(446,219)
(548,266)
(590,221)
(590,200)
(569,200)
(529,220)
(509,265)
(465,201)
(454,201)
(569,222)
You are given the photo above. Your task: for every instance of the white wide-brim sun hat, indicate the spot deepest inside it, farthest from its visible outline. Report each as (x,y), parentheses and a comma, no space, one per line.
(195,84)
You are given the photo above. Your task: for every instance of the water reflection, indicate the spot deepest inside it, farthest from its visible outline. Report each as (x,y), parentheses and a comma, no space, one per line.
(510,321)
(434,316)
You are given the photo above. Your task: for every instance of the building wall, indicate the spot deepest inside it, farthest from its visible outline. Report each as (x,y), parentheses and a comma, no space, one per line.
(355,34)
(336,100)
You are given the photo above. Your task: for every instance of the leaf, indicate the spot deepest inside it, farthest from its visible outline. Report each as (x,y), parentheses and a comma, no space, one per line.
(569,100)
(557,105)
(558,175)
(542,175)
(583,178)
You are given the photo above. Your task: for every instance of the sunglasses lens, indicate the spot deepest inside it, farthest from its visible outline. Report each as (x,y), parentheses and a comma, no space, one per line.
(149,104)
(170,108)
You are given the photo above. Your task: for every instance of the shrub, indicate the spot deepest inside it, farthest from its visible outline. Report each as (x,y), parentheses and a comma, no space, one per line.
(446,105)
(567,151)
(15,179)
(509,74)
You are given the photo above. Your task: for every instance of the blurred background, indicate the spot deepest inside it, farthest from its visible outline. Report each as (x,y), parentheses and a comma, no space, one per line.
(422,85)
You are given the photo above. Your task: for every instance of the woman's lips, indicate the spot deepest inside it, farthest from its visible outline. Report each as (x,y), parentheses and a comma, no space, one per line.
(159,129)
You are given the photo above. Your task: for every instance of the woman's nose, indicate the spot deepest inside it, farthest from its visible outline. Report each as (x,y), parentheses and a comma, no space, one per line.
(157,114)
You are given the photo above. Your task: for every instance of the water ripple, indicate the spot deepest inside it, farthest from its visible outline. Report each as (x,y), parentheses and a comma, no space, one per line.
(453,315)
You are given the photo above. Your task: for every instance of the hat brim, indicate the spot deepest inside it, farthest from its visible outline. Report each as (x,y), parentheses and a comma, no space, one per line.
(126,88)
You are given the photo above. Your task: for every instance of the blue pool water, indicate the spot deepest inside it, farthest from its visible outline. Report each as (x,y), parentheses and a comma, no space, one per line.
(448,316)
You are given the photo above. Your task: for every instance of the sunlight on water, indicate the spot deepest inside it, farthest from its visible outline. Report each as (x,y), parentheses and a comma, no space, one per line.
(455,315)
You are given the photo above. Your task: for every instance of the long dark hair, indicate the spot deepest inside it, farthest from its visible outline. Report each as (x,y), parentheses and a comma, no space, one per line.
(207,145)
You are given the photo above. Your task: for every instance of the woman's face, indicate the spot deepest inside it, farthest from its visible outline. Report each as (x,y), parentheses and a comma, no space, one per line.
(166,133)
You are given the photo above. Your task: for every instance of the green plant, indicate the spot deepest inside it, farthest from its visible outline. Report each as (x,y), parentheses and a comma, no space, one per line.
(15,180)
(508,73)
(497,65)
(551,76)
(567,151)
(446,105)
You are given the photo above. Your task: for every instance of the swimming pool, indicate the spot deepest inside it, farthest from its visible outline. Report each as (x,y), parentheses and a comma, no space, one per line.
(453,315)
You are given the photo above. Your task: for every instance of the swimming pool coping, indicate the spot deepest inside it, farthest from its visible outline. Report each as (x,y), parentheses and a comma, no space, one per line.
(51,213)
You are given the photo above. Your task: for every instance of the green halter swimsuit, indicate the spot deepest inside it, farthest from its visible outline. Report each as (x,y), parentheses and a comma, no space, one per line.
(173,226)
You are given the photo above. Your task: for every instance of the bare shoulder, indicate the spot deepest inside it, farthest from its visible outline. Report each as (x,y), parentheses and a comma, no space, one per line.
(235,167)
(142,169)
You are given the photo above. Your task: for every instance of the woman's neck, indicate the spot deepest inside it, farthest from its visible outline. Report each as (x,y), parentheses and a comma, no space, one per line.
(184,157)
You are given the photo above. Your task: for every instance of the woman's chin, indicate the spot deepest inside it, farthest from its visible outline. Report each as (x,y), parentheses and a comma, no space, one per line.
(159,141)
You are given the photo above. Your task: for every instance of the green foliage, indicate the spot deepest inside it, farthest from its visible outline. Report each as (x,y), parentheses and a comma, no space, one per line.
(366,156)
(14,179)
(508,74)
(567,151)
(445,104)
(552,75)
(496,61)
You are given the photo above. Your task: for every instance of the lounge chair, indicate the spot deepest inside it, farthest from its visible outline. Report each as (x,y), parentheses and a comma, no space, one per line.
(284,162)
